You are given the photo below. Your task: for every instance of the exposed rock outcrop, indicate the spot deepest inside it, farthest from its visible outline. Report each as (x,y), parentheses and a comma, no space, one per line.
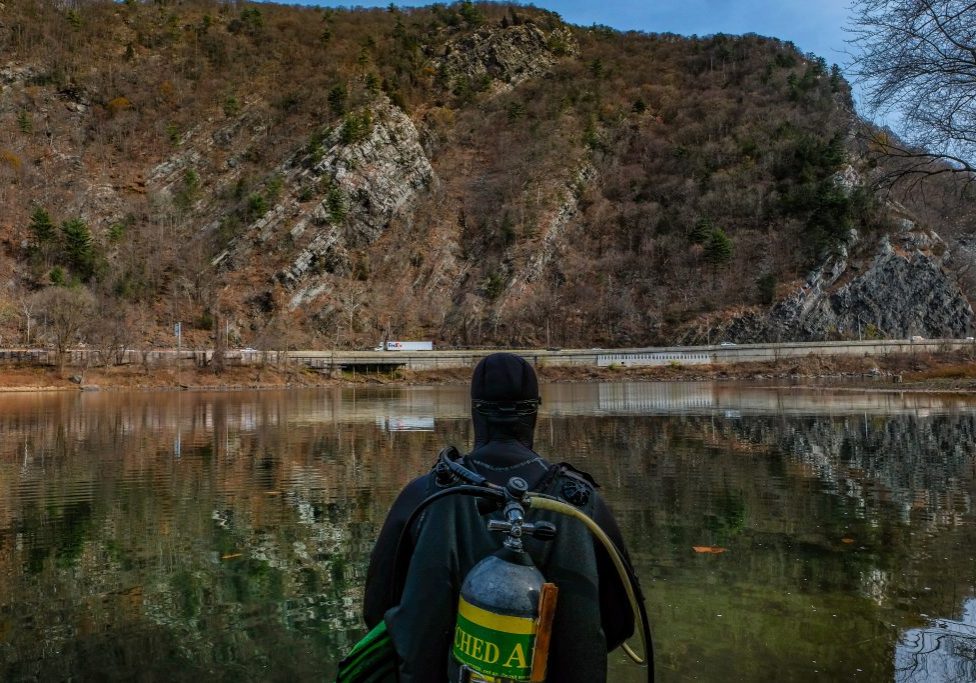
(15,73)
(366,182)
(343,194)
(534,262)
(903,291)
(508,55)
(378,175)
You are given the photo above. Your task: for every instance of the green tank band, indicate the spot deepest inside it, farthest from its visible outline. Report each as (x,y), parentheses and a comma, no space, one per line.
(494,644)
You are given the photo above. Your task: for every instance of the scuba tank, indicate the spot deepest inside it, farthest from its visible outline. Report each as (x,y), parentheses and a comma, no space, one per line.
(505,607)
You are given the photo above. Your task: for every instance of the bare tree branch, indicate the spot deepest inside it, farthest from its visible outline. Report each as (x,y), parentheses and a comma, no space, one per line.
(917,59)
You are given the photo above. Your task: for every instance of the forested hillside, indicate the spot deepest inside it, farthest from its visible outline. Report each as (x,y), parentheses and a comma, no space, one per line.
(475,174)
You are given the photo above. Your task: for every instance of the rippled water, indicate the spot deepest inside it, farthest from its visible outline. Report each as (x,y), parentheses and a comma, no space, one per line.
(225,536)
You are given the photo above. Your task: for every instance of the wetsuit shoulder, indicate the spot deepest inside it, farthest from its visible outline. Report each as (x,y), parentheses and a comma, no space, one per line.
(571,471)
(379,577)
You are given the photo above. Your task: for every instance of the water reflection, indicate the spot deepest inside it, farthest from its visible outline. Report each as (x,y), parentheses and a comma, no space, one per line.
(942,652)
(196,536)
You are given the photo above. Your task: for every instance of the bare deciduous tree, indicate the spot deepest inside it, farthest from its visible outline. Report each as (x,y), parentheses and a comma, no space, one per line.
(352,298)
(26,304)
(917,59)
(115,329)
(67,311)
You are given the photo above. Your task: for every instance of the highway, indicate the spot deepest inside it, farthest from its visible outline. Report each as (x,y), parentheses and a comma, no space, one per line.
(630,357)
(722,354)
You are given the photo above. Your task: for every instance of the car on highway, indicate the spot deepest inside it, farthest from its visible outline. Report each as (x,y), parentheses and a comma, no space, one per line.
(727,344)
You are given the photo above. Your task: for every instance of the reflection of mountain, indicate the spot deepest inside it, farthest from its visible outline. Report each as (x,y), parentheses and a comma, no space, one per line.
(665,398)
(247,549)
(922,463)
(811,512)
(919,464)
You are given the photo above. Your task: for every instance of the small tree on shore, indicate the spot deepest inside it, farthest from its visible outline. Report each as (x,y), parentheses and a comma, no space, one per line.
(116,330)
(27,304)
(67,312)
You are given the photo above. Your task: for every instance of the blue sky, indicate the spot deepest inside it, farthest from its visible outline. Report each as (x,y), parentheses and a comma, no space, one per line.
(814,26)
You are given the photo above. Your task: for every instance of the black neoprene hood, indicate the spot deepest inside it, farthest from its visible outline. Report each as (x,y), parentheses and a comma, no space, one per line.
(504,378)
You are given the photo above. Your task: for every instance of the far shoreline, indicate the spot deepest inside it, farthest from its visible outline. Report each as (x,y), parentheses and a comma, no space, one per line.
(953,372)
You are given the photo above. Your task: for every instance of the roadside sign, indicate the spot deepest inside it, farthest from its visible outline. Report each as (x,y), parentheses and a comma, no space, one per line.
(178,330)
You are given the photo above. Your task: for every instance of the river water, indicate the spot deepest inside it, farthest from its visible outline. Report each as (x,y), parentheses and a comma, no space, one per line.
(780,534)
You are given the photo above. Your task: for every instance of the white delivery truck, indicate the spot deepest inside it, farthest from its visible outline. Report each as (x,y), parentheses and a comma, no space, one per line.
(408,346)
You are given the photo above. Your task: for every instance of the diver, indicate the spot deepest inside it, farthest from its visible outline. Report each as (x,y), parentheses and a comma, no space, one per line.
(593,615)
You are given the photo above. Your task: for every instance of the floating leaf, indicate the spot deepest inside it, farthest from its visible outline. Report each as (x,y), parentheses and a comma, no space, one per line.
(708,549)
(230,556)
(847,540)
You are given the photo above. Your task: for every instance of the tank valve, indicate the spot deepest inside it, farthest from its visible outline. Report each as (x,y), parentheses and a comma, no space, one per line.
(514,523)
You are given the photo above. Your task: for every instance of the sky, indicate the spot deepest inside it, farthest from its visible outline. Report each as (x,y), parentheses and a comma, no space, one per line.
(814,26)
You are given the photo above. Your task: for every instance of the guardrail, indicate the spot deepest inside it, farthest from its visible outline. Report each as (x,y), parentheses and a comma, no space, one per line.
(630,357)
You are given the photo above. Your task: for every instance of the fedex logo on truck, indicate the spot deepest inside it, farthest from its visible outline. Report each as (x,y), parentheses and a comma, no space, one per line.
(409,346)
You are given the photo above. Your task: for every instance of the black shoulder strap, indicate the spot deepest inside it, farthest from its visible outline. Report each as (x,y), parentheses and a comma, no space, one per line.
(571,471)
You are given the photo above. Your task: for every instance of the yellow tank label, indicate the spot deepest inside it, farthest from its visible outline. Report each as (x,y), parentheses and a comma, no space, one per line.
(494,645)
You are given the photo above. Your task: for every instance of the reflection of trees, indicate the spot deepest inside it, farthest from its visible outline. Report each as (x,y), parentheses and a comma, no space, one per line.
(244,550)
(244,553)
(812,511)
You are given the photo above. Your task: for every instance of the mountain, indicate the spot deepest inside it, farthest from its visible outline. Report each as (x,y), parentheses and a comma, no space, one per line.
(475,174)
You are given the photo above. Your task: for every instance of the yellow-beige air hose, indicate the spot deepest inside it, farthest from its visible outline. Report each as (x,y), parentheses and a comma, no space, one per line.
(542,502)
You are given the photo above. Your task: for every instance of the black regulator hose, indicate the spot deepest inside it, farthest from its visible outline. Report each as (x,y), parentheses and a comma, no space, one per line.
(402,559)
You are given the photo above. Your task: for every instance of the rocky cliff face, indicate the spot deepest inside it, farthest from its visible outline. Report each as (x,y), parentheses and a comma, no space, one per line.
(343,194)
(902,291)
(509,56)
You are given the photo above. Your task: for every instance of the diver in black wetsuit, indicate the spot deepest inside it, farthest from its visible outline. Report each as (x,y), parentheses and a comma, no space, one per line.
(593,615)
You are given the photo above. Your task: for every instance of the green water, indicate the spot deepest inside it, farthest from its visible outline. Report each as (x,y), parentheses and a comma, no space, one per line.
(199,537)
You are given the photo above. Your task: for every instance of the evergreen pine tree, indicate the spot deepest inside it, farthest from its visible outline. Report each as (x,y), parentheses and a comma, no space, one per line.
(24,123)
(79,250)
(702,230)
(42,226)
(718,248)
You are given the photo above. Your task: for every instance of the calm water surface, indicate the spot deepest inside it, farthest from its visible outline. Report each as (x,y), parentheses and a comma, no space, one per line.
(780,534)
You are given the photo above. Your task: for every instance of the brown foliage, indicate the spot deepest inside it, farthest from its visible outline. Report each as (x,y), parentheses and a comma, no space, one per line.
(564,205)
